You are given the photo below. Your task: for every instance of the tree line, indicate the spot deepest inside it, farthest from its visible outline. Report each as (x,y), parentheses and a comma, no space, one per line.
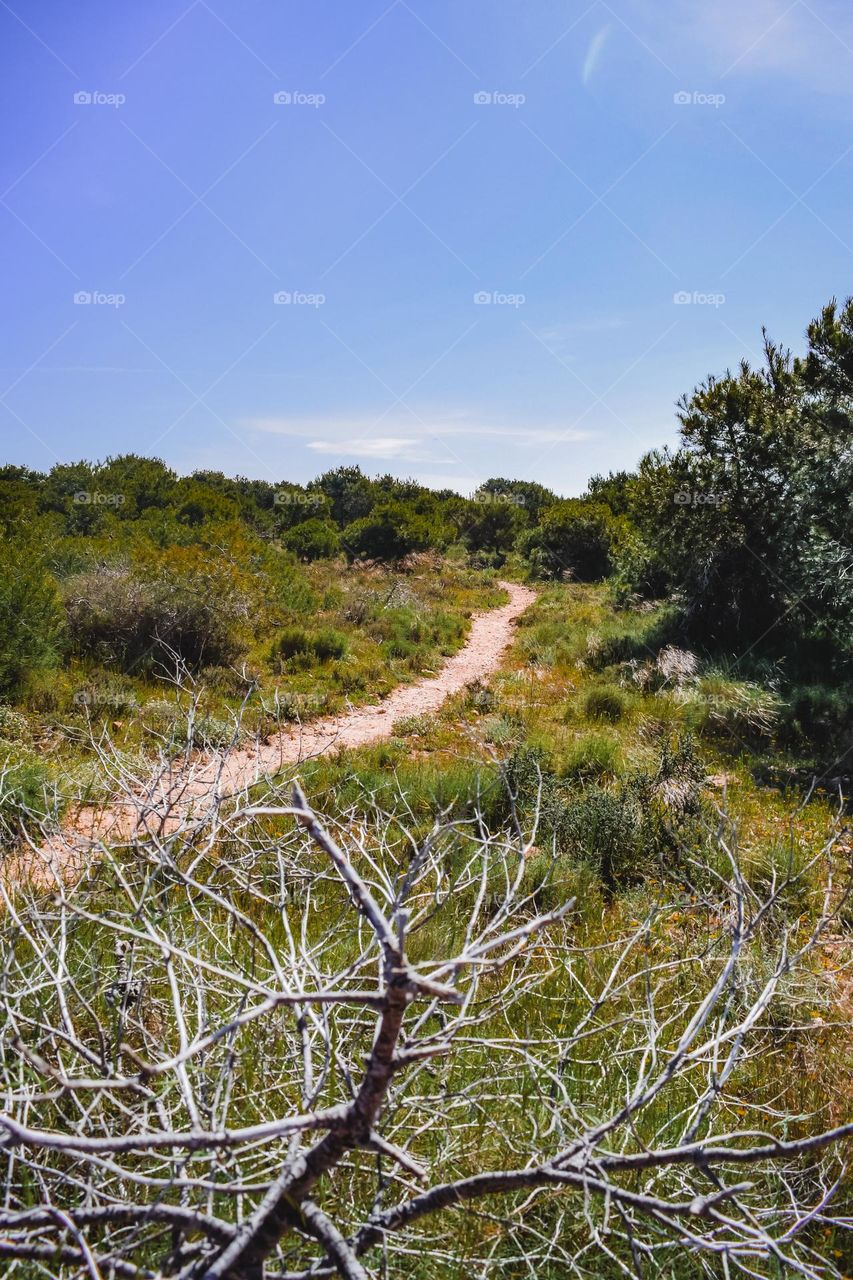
(747,525)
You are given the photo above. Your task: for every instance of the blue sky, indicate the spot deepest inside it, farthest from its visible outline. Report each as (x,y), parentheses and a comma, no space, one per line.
(578,166)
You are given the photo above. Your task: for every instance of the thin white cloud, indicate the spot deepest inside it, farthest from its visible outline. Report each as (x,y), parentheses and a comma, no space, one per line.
(379,447)
(594,52)
(357,436)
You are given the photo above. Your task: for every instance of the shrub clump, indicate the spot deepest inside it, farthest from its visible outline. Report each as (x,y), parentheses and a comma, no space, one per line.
(138,619)
(604,828)
(413,726)
(596,755)
(622,829)
(14,725)
(604,704)
(30,616)
(313,539)
(303,648)
(28,797)
(738,708)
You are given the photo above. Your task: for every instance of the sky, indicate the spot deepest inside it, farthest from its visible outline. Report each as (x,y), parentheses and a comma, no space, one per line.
(448,239)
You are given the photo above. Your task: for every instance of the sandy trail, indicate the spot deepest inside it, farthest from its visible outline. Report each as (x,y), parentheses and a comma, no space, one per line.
(192,786)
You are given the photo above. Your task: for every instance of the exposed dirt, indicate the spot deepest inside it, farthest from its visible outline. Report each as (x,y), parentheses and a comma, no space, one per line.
(192,785)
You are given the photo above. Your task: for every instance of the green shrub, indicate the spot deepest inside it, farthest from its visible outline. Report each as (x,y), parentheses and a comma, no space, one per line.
(313,539)
(499,730)
(413,726)
(209,731)
(329,643)
(523,775)
(14,725)
(48,691)
(480,697)
(30,615)
(604,828)
(640,824)
(28,797)
(596,755)
(391,532)
(304,648)
(605,704)
(290,642)
(574,539)
(403,632)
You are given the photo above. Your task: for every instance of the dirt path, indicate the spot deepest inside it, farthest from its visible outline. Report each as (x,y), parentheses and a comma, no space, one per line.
(191,786)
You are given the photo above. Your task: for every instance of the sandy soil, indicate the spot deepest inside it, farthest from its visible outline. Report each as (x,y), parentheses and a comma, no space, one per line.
(192,786)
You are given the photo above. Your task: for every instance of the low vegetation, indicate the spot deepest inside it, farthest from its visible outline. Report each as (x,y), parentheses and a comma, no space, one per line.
(596,907)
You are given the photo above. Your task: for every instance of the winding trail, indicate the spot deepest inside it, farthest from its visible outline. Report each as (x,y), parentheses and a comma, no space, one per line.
(191,786)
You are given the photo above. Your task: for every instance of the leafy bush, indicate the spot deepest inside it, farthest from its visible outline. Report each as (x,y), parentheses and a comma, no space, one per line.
(30,615)
(329,643)
(523,774)
(28,797)
(391,531)
(604,827)
(313,539)
(574,540)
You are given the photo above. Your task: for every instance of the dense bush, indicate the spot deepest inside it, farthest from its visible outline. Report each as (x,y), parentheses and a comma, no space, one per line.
(30,615)
(138,619)
(604,828)
(751,516)
(313,539)
(391,532)
(27,796)
(575,539)
(306,647)
(623,823)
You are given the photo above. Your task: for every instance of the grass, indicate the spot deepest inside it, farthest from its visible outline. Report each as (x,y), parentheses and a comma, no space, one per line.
(362,635)
(630,775)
